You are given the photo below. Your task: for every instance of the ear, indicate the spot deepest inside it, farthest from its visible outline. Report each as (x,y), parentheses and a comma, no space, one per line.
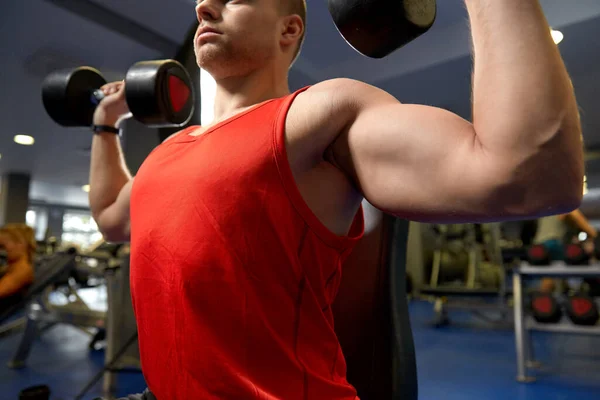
(292,30)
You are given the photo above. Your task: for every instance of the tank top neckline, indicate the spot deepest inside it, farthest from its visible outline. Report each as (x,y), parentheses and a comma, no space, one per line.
(187,137)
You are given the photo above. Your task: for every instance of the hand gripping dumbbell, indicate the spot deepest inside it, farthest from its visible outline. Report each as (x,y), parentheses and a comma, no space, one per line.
(158,93)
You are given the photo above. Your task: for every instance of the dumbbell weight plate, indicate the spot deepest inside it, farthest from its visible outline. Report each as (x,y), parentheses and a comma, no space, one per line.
(67,95)
(575,254)
(582,310)
(377,28)
(160,93)
(538,255)
(545,308)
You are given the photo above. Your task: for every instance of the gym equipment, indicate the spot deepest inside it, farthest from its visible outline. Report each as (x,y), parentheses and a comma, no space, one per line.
(159,94)
(544,308)
(54,280)
(575,254)
(109,367)
(597,247)
(582,310)
(51,271)
(377,28)
(481,288)
(38,392)
(466,257)
(538,255)
(45,309)
(455,255)
(371,313)
(122,350)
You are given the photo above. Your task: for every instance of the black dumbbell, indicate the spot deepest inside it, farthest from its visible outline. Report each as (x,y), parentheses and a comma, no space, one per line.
(544,308)
(575,254)
(158,93)
(582,310)
(538,255)
(377,28)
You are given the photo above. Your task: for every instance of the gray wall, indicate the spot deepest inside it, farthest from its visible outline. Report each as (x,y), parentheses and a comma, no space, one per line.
(14,197)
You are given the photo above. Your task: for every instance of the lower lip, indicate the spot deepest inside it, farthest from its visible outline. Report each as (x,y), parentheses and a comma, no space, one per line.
(207,35)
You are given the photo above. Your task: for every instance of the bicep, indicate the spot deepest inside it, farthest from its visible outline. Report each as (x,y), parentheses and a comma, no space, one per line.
(417,162)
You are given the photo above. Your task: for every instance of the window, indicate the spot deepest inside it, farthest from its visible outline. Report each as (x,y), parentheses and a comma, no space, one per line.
(37,218)
(79,229)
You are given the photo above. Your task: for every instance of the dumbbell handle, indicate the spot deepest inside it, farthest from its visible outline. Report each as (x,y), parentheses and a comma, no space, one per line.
(97,96)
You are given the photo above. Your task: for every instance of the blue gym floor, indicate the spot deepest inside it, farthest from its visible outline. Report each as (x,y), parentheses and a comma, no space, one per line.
(466,360)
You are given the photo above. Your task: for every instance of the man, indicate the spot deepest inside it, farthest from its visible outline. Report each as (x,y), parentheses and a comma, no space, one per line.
(552,231)
(239,229)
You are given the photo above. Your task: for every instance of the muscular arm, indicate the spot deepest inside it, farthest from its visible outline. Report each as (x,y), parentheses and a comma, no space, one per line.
(110,188)
(521,157)
(582,223)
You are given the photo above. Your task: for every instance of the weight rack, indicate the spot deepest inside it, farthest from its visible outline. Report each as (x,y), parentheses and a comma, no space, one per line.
(525,324)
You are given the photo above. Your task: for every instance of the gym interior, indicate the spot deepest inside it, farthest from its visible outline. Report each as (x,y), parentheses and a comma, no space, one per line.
(454,311)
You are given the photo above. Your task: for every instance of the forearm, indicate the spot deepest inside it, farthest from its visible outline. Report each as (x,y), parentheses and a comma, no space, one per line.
(520,84)
(582,223)
(524,108)
(108,172)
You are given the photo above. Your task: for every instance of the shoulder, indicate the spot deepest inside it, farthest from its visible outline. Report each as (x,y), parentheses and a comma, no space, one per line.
(328,102)
(317,115)
(338,84)
(315,119)
(347,91)
(344,91)
(338,100)
(326,109)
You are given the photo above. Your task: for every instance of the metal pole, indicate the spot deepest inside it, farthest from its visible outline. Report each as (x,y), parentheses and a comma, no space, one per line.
(522,351)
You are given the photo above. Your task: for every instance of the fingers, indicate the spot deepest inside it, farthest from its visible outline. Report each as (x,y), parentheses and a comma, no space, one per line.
(113,87)
(121,91)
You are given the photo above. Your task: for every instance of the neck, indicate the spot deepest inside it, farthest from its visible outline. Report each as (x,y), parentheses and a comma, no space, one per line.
(236,93)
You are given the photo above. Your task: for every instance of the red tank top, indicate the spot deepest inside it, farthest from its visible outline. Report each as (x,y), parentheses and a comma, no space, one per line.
(232,275)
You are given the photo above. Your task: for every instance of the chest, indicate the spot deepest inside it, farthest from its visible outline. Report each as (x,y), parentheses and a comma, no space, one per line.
(248,161)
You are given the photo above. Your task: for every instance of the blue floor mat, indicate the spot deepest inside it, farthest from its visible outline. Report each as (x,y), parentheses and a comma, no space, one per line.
(466,360)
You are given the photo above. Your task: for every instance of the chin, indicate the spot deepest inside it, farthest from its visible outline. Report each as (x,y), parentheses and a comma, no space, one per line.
(214,66)
(208,59)
(222,61)
(208,67)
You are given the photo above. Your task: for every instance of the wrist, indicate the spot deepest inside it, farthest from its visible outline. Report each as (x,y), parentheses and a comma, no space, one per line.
(98,129)
(104,122)
(101,119)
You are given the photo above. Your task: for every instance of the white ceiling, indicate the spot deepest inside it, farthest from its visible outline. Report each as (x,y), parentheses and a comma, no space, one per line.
(38,36)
